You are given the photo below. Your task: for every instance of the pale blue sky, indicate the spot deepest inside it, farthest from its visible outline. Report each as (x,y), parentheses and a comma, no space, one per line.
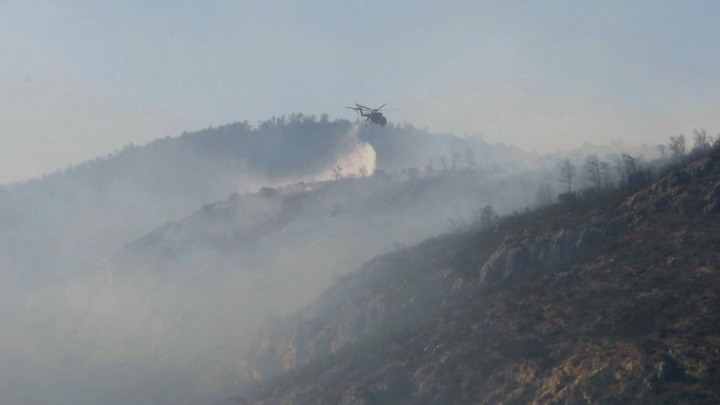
(80,79)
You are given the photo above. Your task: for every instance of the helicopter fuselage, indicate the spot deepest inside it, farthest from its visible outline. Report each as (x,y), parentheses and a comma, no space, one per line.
(376,118)
(372,115)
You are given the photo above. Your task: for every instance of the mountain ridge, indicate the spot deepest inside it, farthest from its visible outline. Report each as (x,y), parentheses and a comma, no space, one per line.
(140,188)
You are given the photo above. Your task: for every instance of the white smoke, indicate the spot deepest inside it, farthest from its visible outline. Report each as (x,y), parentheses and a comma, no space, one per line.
(358,156)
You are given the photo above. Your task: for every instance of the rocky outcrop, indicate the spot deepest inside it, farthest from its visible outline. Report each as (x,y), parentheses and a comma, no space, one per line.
(515,257)
(690,190)
(386,294)
(712,200)
(678,192)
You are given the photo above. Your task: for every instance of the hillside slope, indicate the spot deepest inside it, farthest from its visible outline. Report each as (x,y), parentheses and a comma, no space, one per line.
(107,202)
(174,307)
(606,301)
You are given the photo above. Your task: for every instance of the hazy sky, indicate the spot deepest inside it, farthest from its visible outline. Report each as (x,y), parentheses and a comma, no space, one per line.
(80,79)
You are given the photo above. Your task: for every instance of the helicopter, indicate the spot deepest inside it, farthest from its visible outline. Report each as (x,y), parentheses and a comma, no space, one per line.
(371,115)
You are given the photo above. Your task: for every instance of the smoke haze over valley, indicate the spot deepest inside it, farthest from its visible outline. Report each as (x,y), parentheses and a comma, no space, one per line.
(147,276)
(190,214)
(163,259)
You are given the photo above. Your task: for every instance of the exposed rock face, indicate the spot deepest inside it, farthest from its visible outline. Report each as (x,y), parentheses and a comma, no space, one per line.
(672,193)
(681,192)
(386,294)
(516,257)
(351,310)
(508,260)
(712,199)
